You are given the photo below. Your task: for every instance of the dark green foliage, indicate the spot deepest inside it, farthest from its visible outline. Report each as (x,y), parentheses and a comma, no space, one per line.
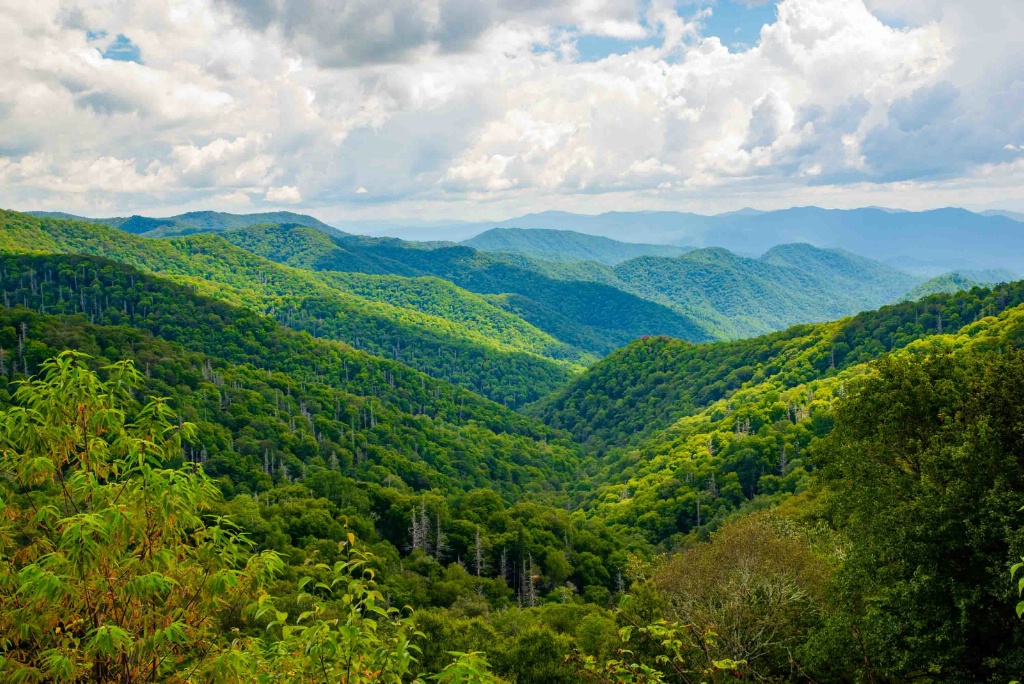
(348,438)
(239,340)
(926,469)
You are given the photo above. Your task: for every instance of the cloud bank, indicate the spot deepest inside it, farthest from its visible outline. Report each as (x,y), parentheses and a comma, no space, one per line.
(468,107)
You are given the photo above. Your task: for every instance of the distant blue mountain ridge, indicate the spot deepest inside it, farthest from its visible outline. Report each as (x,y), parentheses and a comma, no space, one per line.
(924,244)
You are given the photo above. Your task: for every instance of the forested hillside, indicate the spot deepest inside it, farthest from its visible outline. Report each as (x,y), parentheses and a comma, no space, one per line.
(834,502)
(702,295)
(506,363)
(956,282)
(565,245)
(594,316)
(651,383)
(789,284)
(935,241)
(576,309)
(194,222)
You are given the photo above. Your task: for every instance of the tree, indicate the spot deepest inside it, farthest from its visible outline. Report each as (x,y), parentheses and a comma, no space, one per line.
(110,570)
(925,469)
(759,581)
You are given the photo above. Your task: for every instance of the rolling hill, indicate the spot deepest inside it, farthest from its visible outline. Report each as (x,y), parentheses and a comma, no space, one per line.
(595,317)
(803,458)
(504,363)
(698,296)
(652,383)
(193,222)
(958,281)
(565,245)
(742,297)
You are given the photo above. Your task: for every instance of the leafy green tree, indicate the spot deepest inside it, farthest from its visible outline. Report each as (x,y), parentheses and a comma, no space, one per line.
(681,653)
(356,638)
(113,569)
(109,568)
(925,469)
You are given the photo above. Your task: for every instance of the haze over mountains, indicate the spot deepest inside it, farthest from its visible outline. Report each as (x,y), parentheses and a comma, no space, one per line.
(927,243)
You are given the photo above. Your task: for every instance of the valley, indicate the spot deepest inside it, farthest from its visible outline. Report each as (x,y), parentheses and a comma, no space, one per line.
(523,447)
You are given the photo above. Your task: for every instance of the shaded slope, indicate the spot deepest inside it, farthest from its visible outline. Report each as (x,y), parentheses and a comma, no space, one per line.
(251,382)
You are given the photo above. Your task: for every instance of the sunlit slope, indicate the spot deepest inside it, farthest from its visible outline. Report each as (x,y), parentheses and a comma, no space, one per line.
(754,447)
(607,316)
(266,397)
(651,383)
(301,299)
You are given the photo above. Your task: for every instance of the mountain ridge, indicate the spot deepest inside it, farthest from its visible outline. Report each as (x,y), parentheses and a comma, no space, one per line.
(193,222)
(565,245)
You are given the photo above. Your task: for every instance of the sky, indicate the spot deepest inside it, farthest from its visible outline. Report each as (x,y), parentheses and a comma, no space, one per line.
(477,109)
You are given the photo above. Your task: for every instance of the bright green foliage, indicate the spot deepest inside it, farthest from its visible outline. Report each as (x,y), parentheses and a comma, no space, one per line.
(505,368)
(309,434)
(314,250)
(355,638)
(1020,585)
(468,668)
(595,316)
(680,653)
(298,379)
(653,382)
(111,569)
(193,222)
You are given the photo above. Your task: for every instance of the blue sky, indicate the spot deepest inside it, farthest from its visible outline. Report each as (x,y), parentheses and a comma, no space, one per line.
(736,24)
(490,108)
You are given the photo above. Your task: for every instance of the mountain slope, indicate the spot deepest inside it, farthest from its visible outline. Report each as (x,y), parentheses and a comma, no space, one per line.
(946,239)
(505,369)
(956,282)
(750,448)
(565,245)
(193,222)
(605,317)
(954,237)
(652,383)
(789,284)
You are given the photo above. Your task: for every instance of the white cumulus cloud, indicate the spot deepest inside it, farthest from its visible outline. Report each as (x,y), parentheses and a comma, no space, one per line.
(462,106)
